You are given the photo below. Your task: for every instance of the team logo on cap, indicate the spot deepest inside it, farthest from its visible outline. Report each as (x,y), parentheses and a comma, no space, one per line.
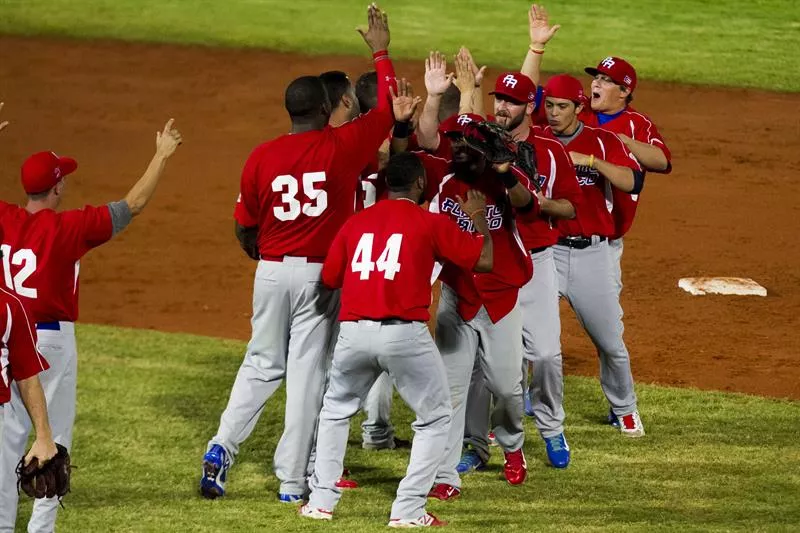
(463,120)
(608,62)
(510,81)
(627,80)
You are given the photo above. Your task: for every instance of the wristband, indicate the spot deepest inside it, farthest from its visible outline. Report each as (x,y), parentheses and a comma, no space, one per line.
(380,54)
(401,130)
(538,51)
(591,161)
(481,210)
(508,178)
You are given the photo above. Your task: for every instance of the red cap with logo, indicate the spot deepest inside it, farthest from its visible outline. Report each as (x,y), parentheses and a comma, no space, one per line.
(617,69)
(566,87)
(458,123)
(515,86)
(42,171)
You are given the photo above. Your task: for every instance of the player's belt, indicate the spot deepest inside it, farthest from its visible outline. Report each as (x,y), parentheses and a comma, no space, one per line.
(280,258)
(52,326)
(579,243)
(539,249)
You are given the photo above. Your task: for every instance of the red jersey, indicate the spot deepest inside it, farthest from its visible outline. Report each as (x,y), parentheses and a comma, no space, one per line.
(496,290)
(558,181)
(383,258)
(41,254)
(639,127)
(594,216)
(299,188)
(19,358)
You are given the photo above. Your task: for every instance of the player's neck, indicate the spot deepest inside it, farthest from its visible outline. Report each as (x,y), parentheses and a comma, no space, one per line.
(34,206)
(338,118)
(521,132)
(615,111)
(402,196)
(302,126)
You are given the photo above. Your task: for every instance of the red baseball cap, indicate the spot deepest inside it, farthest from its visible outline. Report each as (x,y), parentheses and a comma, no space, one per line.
(42,171)
(458,123)
(515,86)
(617,69)
(566,87)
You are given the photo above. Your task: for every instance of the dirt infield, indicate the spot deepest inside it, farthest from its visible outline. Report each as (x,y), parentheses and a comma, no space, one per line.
(729,208)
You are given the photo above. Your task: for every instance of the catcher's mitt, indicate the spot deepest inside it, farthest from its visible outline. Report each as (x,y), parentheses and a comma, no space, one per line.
(526,162)
(491,140)
(47,481)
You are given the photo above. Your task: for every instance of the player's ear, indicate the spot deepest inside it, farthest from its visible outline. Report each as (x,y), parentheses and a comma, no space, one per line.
(347,102)
(529,108)
(578,108)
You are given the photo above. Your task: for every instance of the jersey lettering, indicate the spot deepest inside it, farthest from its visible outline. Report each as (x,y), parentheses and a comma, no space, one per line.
(494,215)
(387,262)
(27,260)
(288,186)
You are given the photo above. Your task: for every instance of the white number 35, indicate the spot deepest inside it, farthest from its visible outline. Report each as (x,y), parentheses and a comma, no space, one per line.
(289,187)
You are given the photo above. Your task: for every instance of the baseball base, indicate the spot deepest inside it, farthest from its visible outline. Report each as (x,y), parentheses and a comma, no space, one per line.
(722,285)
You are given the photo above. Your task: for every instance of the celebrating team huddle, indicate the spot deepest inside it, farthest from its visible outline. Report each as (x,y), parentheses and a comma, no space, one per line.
(372,201)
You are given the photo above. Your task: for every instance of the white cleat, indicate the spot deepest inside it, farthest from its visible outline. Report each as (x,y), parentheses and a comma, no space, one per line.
(317,514)
(426,520)
(630,425)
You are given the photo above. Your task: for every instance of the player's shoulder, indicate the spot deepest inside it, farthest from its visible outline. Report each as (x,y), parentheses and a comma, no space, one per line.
(637,116)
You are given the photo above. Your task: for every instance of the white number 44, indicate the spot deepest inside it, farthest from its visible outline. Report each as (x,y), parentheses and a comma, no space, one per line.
(387,262)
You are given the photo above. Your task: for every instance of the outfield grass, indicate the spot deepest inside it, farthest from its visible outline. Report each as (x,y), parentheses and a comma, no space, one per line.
(148,402)
(735,42)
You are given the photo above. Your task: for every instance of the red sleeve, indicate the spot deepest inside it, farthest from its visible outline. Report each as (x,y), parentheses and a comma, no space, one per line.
(565,184)
(525,180)
(84,229)
(335,264)
(384,70)
(453,245)
(24,359)
(436,169)
(246,210)
(617,153)
(647,132)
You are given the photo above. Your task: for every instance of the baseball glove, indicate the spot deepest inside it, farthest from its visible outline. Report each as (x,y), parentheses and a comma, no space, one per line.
(491,140)
(46,481)
(526,162)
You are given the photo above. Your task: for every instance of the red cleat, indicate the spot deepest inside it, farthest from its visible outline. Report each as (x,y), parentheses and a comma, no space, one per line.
(515,468)
(444,492)
(426,520)
(344,483)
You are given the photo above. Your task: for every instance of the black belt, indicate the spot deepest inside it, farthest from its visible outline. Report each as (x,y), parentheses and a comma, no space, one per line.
(539,249)
(579,243)
(395,322)
(53,326)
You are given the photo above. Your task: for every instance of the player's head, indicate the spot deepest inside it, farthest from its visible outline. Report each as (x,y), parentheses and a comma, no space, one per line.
(564,99)
(514,95)
(405,177)
(367,91)
(43,176)
(307,102)
(613,85)
(467,162)
(342,95)
(450,102)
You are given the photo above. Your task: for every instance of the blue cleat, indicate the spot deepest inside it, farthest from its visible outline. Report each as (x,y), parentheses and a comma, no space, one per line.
(528,403)
(558,451)
(215,472)
(470,461)
(290,498)
(612,418)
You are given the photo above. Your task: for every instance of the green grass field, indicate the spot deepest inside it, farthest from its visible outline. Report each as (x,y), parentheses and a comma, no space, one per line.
(736,42)
(148,402)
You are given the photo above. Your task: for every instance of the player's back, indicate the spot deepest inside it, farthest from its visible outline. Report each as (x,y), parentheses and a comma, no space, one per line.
(390,251)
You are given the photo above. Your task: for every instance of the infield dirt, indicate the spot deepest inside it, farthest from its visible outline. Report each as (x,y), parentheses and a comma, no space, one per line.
(730,208)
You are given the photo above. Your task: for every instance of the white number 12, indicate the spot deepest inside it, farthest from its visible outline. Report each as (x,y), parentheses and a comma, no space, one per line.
(27,259)
(387,262)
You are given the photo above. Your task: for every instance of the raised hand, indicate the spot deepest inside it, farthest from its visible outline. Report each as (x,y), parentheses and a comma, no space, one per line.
(478,73)
(4,123)
(377,33)
(404,103)
(168,140)
(539,26)
(437,80)
(465,77)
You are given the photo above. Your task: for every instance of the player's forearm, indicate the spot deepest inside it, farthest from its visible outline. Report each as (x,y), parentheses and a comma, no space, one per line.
(477,102)
(486,261)
(465,104)
(619,176)
(140,194)
(519,196)
(384,70)
(32,394)
(532,64)
(558,208)
(248,240)
(649,156)
(428,130)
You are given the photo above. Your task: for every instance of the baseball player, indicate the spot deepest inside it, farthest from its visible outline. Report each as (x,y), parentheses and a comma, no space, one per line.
(583,260)
(382,259)
(296,192)
(478,316)
(559,197)
(42,249)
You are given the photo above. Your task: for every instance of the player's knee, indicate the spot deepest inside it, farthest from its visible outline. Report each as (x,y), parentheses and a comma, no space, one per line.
(544,357)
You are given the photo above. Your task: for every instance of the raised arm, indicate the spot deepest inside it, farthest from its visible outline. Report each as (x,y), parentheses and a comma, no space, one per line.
(437,80)
(540,32)
(141,192)
(478,75)
(3,123)
(377,37)
(465,81)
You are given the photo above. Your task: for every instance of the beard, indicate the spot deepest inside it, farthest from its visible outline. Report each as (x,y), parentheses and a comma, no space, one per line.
(509,122)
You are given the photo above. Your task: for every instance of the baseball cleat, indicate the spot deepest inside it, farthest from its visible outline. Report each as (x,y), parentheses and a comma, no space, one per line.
(631,425)
(289,498)
(426,520)
(612,418)
(528,402)
(215,472)
(344,483)
(470,461)
(515,468)
(492,439)
(444,492)
(317,514)
(557,450)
